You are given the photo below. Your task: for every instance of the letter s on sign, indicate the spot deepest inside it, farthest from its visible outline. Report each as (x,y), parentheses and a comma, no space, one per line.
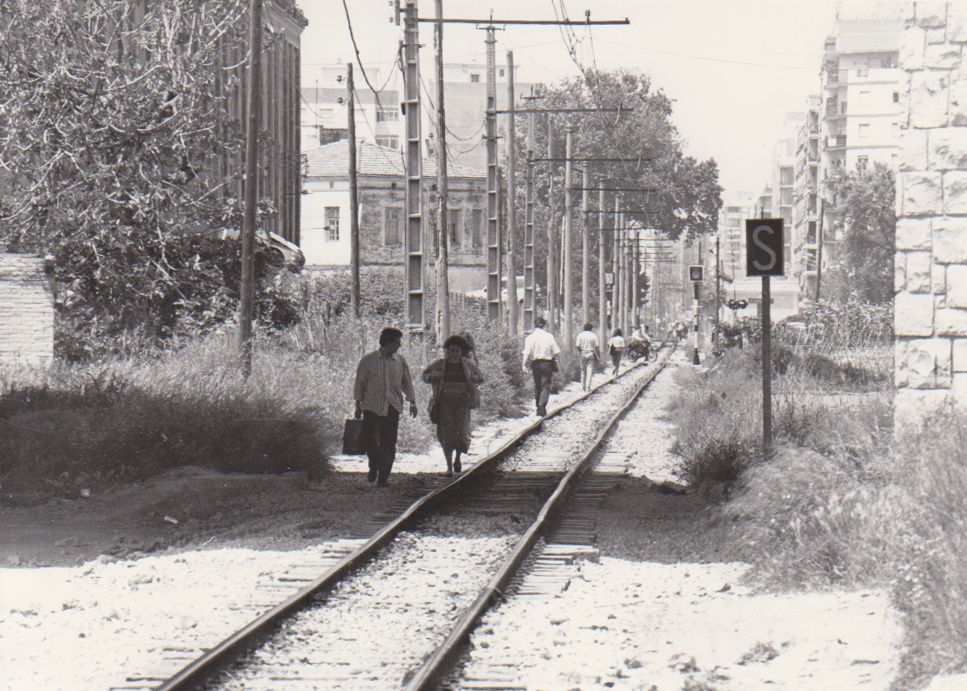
(755,238)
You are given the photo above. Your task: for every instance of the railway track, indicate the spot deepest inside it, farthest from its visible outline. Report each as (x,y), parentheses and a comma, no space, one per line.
(423,578)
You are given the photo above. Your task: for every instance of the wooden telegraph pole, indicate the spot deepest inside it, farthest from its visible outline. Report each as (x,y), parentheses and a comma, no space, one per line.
(602,285)
(552,287)
(443,236)
(568,278)
(511,201)
(246,306)
(585,253)
(354,290)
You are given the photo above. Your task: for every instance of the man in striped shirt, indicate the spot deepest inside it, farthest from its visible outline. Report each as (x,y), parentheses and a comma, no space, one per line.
(382,379)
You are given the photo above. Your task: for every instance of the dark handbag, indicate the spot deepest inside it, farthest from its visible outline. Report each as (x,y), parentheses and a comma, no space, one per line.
(353,440)
(434,410)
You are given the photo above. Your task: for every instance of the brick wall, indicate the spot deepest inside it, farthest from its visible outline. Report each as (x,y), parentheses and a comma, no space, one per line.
(931,241)
(26,310)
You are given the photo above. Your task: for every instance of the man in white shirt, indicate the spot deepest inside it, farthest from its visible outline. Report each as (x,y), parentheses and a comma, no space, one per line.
(587,344)
(540,352)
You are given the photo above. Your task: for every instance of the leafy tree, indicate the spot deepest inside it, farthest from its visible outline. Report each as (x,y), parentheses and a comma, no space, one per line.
(685,196)
(865,202)
(116,145)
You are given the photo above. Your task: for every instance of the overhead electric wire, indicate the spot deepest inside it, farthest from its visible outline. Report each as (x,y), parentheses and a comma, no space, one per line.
(359,59)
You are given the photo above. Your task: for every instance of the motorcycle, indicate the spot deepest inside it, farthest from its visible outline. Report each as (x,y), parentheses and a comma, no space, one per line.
(641,349)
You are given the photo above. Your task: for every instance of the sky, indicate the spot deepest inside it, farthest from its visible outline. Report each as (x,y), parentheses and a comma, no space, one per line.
(734,68)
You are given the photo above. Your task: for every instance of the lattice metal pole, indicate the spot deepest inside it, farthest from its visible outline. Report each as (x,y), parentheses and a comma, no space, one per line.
(415,320)
(602,287)
(493,210)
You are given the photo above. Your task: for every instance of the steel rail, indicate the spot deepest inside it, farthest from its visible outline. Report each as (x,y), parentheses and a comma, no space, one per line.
(431,670)
(202,668)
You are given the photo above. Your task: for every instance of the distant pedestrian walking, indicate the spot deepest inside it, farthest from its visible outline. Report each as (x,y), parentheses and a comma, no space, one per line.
(382,379)
(616,347)
(454,379)
(587,345)
(540,352)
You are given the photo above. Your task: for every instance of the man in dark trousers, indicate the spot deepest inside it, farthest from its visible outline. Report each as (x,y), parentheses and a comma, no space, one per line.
(382,379)
(541,351)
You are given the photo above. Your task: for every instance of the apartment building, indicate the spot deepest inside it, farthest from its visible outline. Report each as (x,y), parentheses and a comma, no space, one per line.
(860,109)
(325,120)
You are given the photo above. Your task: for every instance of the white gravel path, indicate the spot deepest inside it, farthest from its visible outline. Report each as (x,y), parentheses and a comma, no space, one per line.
(91,627)
(633,623)
(94,625)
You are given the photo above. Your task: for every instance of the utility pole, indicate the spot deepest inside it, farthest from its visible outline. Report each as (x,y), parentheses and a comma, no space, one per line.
(616,267)
(511,201)
(493,210)
(501,279)
(568,278)
(585,254)
(819,248)
(552,286)
(634,282)
(246,306)
(413,242)
(718,293)
(529,302)
(353,194)
(602,287)
(443,236)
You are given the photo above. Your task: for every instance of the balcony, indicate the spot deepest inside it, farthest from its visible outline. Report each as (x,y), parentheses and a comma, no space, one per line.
(836,141)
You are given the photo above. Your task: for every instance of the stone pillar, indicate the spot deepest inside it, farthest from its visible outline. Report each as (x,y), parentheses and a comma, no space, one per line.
(931,240)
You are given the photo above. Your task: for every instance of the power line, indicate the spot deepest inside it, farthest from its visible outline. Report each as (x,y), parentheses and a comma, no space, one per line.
(359,58)
(707,57)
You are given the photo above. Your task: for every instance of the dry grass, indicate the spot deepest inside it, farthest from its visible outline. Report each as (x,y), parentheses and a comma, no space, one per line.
(844,501)
(121,419)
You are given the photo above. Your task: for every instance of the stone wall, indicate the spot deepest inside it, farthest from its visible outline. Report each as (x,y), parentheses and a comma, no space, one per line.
(931,240)
(26,311)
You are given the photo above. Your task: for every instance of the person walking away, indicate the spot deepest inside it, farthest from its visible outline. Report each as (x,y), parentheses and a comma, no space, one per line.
(382,380)
(540,352)
(616,346)
(455,379)
(587,345)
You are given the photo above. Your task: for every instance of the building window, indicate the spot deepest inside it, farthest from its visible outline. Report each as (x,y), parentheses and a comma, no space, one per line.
(455,231)
(896,96)
(502,71)
(332,224)
(475,78)
(392,226)
(391,141)
(786,176)
(864,130)
(387,114)
(862,162)
(476,228)
(862,72)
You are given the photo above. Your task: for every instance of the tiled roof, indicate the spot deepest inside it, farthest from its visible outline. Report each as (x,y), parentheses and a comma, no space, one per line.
(332,161)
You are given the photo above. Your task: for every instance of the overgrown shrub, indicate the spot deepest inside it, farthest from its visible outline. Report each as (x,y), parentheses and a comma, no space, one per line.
(128,419)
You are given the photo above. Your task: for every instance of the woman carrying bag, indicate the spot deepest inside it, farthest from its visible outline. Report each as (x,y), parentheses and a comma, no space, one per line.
(454,379)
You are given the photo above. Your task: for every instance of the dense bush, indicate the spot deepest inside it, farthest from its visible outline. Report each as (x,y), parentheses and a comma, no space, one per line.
(128,419)
(891,511)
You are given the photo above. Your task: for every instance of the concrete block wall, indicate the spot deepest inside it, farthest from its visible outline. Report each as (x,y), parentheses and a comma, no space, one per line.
(931,240)
(26,311)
